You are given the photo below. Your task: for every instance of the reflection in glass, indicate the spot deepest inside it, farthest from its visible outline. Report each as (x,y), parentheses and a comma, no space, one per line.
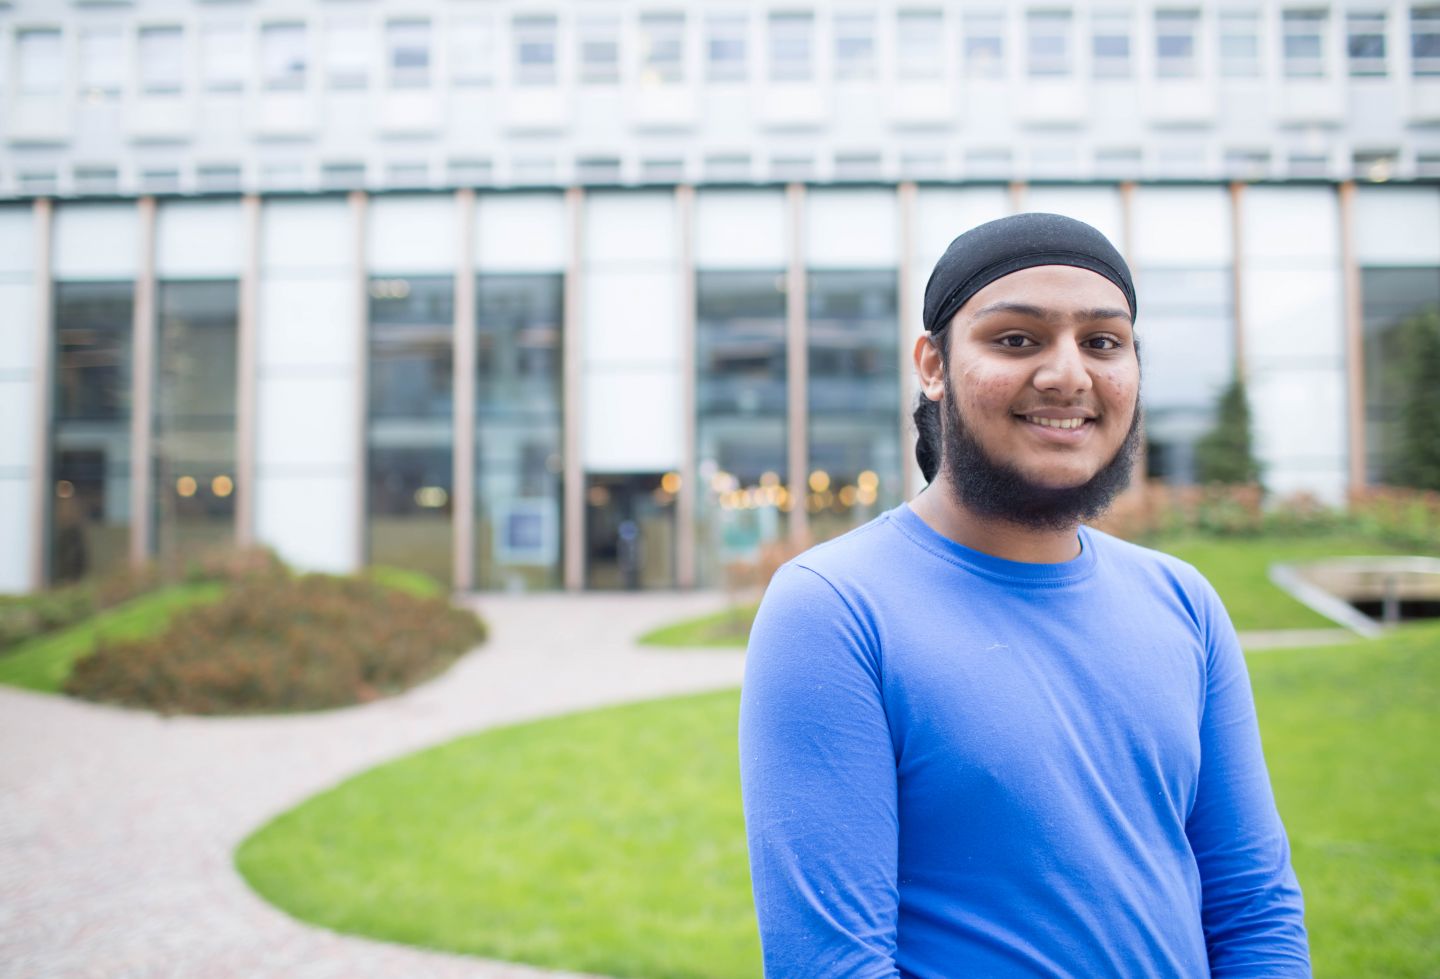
(630,531)
(1187,357)
(194,452)
(518,451)
(854,397)
(410,428)
(741,501)
(1393,298)
(90,432)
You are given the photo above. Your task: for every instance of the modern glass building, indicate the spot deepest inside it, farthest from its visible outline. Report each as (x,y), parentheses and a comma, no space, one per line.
(584,294)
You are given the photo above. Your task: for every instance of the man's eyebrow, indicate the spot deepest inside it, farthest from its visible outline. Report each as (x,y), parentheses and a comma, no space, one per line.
(1041,313)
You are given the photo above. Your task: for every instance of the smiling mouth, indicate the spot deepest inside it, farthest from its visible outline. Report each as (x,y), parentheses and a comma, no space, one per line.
(1061,423)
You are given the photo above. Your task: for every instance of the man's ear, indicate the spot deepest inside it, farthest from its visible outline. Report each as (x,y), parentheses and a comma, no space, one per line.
(930,367)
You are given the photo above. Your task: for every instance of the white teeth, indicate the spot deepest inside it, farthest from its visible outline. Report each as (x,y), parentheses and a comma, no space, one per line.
(1057,422)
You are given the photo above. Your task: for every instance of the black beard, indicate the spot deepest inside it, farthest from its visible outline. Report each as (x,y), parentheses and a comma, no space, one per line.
(1000,491)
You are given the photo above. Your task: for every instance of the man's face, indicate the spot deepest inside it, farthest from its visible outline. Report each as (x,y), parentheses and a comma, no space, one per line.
(1041,416)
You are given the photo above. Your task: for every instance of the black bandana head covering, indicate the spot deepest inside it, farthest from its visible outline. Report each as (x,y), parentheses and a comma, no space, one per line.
(1020,241)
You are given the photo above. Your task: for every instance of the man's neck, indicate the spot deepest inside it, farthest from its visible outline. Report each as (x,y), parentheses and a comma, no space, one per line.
(937,506)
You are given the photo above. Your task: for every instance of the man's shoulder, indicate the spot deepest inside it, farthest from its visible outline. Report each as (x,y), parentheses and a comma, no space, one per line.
(855,552)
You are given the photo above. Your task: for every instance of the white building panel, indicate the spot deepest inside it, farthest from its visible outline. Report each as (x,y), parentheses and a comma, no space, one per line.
(741,229)
(17,418)
(307,321)
(1098,207)
(1291,226)
(942,214)
(522,232)
(199,240)
(16,532)
(632,317)
(412,234)
(631,228)
(18,343)
(307,235)
(1397,225)
(633,421)
(852,229)
(1292,315)
(307,420)
(17,239)
(309,520)
(96,241)
(1181,226)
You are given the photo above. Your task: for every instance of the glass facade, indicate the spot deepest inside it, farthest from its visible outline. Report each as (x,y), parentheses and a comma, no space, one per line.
(518,431)
(90,433)
(194,423)
(1187,356)
(409,465)
(854,398)
(740,405)
(1393,299)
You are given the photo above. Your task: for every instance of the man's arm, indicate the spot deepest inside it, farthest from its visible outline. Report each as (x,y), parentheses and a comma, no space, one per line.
(818,775)
(1251,907)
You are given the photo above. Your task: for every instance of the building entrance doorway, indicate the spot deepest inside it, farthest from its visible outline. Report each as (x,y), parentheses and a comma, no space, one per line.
(630,531)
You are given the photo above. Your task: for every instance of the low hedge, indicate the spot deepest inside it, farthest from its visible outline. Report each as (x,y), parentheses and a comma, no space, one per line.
(281,643)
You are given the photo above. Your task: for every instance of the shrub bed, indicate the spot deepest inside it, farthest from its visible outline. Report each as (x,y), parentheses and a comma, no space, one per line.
(277,643)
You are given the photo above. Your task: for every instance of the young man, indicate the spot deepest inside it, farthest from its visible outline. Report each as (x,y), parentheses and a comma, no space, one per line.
(978,738)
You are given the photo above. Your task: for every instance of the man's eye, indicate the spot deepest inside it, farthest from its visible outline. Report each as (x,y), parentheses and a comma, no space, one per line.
(1105,343)
(1014,341)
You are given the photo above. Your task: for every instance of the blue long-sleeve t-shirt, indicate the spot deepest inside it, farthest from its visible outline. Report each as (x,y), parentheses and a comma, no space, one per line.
(956,765)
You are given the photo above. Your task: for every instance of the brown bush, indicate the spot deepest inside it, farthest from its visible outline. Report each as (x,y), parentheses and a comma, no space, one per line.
(276,643)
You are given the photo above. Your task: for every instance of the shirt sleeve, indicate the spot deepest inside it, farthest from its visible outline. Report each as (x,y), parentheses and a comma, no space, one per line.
(1251,906)
(817,770)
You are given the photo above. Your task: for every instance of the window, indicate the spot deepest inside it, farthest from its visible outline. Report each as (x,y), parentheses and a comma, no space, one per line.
(1306,164)
(919,53)
(222,56)
(854,386)
(162,60)
(534,49)
(857,166)
(160,180)
(347,53)
(1425,40)
(1110,44)
(727,167)
(1427,165)
(472,51)
(1117,163)
(791,47)
(1376,166)
(1180,162)
(533,170)
(409,174)
(597,170)
(854,46)
(519,421)
(196,343)
(409,430)
(283,57)
(469,173)
(796,166)
(102,62)
(663,170)
(662,49)
(40,181)
(984,44)
(1047,34)
(96,179)
(40,62)
(1247,164)
(1398,303)
(89,530)
(922,165)
(1239,44)
(986,163)
(1176,43)
(407,47)
(217,177)
(599,49)
(1365,42)
(282,175)
(725,47)
(342,176)
(1304,43)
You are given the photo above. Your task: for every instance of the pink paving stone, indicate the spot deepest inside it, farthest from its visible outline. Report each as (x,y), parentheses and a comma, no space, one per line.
(118,827)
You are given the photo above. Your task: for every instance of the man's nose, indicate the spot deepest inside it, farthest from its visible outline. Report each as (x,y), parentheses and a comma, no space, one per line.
(1063,370)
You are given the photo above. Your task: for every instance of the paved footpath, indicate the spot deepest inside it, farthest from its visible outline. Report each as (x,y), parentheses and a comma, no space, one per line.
(117,827)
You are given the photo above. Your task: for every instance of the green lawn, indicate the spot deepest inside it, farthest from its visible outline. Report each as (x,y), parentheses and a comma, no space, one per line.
(1237,567)
(43,663)
(607,842)
(613,841)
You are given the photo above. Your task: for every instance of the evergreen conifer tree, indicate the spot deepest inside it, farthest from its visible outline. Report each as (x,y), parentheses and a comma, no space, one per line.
(1225,453)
